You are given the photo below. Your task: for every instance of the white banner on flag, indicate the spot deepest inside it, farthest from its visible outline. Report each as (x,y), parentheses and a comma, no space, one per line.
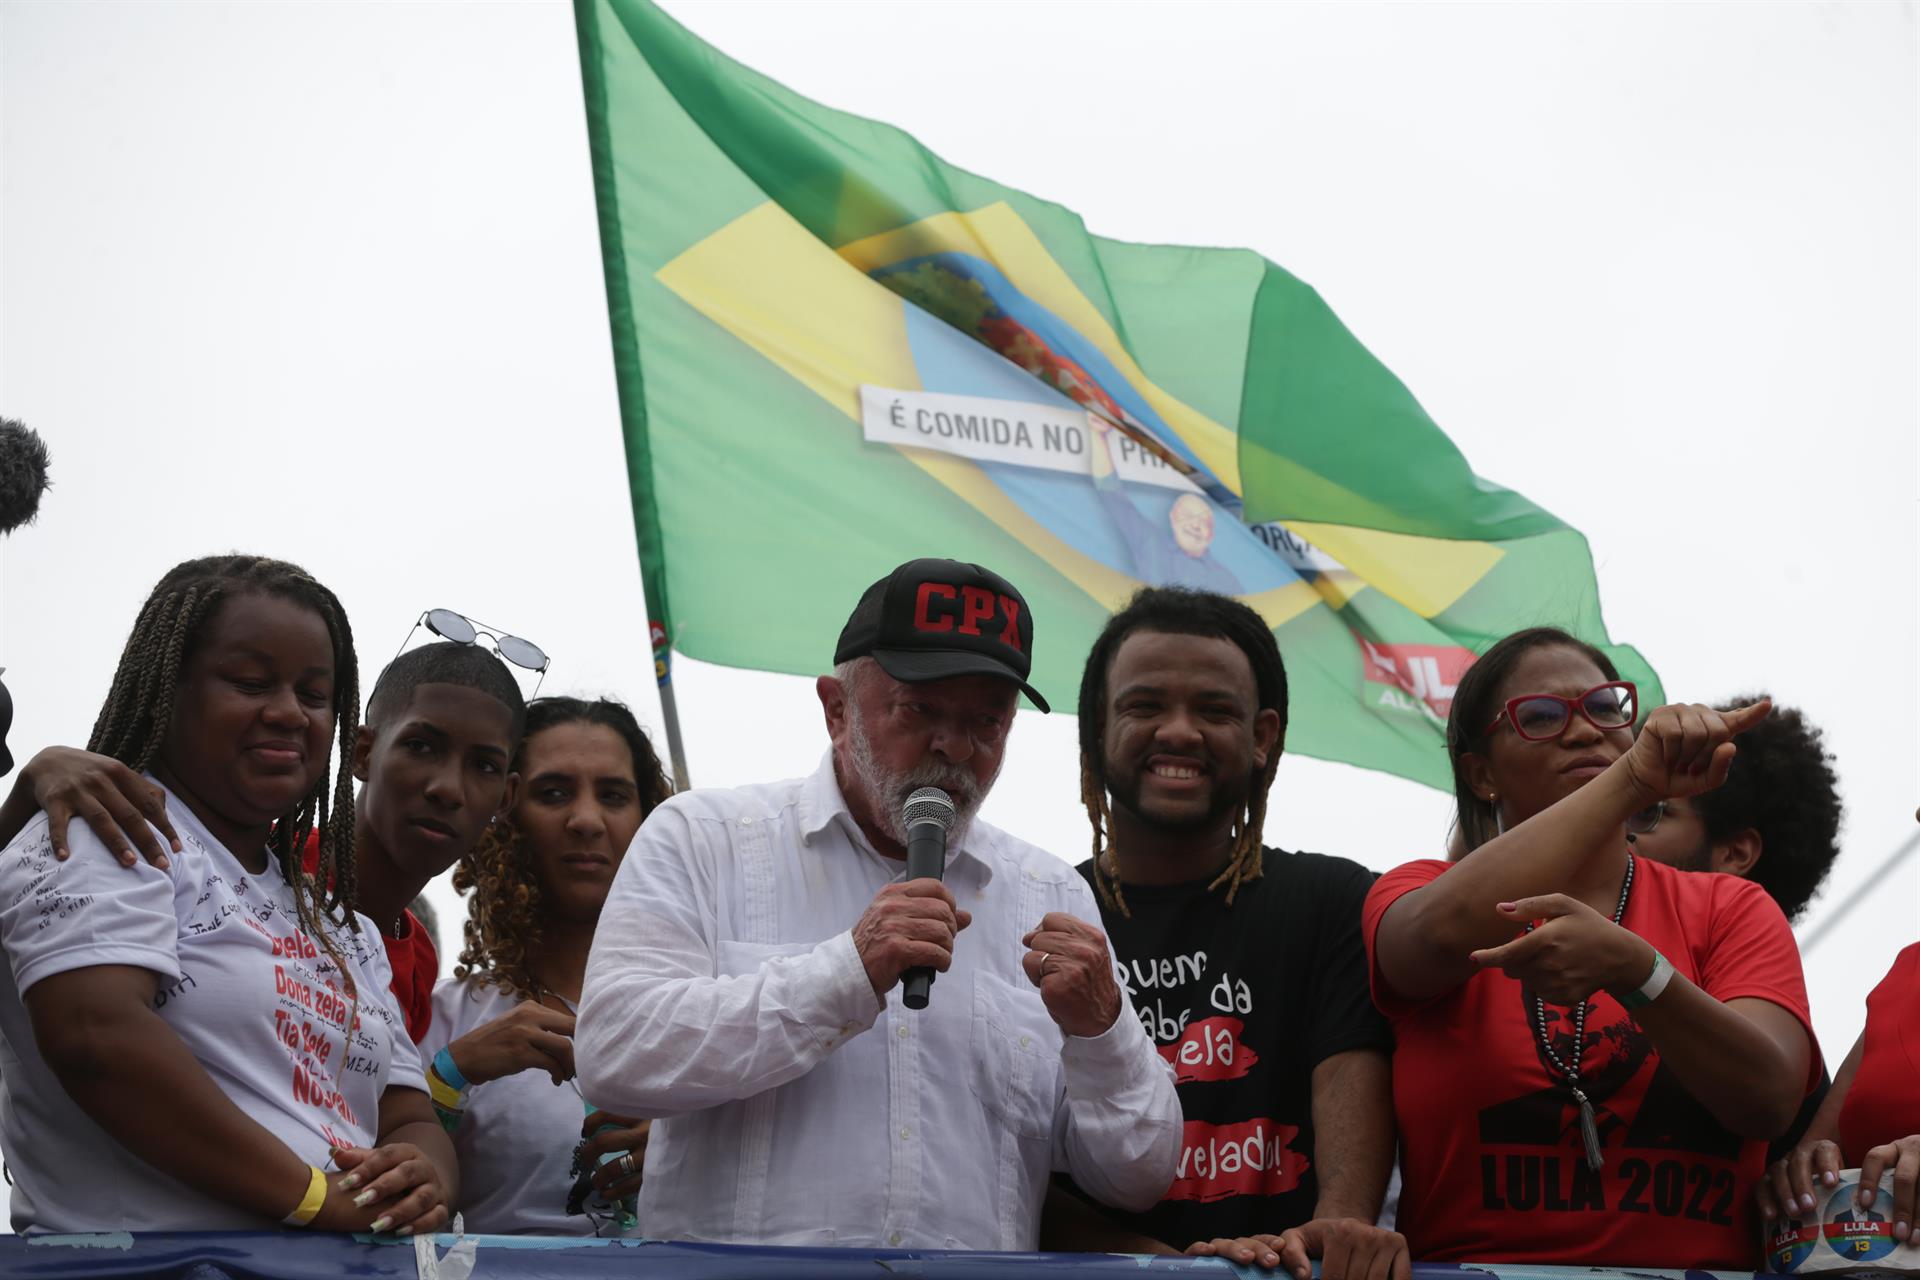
(1048,437)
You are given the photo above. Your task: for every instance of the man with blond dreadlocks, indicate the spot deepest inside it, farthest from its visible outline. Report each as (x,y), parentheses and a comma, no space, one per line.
(1244,963)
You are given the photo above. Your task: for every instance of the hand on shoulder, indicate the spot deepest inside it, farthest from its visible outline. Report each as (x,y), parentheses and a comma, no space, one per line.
(118,805)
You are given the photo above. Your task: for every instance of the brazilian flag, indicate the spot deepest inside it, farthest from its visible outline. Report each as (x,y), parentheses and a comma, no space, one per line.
(837,352)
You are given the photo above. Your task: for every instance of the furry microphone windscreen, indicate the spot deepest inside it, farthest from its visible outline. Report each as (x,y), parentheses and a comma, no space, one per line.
(23,473)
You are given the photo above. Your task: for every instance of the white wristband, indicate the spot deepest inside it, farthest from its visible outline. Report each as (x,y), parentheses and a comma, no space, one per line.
(1650,990)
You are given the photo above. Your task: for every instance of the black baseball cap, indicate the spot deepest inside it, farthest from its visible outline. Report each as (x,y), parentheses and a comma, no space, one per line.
(931,619)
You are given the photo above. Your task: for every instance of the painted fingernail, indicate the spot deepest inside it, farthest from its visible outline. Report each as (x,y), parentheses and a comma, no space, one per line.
(379,1224)
(349,1182)
(405,1231)
(364,1199)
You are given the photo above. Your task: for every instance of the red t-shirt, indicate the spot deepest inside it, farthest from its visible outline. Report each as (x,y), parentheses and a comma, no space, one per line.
(415,963)
(1883,1104)
(416,967)
(1491,1158)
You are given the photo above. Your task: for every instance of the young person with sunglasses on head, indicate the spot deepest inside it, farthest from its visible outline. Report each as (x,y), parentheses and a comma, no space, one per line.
(534,1157)
(435,766)
(211,1046)
(1593,1049)
(433,760)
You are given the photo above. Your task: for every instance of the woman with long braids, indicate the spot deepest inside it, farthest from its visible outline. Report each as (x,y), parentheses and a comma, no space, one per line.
(1593,1049)
(531,1157)
(211,1046)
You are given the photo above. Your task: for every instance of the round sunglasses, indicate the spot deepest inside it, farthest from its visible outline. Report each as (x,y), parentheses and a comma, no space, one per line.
(461,629)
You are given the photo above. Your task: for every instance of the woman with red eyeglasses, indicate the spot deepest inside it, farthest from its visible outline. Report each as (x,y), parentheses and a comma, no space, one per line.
(1593,1049)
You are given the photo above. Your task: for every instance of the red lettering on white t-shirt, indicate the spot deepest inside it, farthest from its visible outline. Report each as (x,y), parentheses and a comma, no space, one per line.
(296,945)
(310,1089)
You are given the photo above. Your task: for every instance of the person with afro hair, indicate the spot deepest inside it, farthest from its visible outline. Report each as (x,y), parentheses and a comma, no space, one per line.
(1776,820)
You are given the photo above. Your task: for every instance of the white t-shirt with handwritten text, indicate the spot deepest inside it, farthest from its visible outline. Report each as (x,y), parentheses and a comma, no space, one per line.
(254,998)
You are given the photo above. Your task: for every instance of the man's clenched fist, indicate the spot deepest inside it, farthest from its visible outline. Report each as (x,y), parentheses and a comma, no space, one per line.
(1070,965)
(907,925)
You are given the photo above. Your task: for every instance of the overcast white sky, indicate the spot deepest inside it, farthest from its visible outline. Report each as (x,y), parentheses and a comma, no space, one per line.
(323,281)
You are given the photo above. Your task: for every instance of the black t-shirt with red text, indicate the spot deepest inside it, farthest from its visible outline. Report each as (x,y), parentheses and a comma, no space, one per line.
(1245,1001)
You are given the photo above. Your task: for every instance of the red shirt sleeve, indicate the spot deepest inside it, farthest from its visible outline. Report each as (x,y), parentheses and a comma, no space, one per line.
(1386,891)
(1752,954)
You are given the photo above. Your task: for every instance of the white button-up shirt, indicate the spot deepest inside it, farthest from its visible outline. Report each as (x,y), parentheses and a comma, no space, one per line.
(725,998)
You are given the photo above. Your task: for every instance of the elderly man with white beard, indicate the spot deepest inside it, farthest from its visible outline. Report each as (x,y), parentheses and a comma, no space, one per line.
(745,985)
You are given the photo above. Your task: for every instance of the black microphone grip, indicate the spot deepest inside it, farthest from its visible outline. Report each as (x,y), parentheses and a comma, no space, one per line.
(926,859)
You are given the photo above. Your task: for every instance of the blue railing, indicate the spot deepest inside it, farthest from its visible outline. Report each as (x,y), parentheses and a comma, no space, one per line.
(296,1256)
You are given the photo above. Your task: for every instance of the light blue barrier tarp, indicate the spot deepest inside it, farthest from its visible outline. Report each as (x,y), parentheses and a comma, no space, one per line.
(298,1256)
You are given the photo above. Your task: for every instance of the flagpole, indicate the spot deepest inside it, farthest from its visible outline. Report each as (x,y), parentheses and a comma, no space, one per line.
(669,707)
(625,332)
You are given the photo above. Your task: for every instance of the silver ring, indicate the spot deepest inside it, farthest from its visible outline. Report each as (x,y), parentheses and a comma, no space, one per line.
(1044,957)
(626,1164)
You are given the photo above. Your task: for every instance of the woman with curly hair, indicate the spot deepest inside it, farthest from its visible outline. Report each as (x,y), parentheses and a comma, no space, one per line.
(502,1053)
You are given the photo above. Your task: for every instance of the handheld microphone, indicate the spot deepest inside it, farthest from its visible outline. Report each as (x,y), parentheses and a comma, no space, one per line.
(927,816)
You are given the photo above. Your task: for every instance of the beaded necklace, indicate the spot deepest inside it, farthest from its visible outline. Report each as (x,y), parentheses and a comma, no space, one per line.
(1589,1128)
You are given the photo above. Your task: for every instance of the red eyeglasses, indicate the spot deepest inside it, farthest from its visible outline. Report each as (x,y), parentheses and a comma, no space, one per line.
(1542,717)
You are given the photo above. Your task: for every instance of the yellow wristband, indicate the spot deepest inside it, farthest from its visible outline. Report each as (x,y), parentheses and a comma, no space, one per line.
(309,1207)
(444,1094)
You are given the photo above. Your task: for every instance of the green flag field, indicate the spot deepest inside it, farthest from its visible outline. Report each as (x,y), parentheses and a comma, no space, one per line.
(837,352)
